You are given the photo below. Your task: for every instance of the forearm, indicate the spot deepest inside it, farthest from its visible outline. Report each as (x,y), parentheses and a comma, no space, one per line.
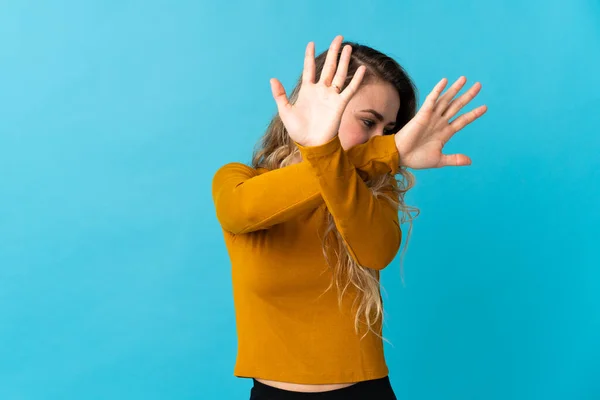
(368,225)
(246,200)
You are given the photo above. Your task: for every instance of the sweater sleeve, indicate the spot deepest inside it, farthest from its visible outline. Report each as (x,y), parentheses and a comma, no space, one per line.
(247,200)
(368,224)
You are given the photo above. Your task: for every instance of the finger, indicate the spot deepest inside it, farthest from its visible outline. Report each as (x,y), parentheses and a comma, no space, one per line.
(331,61)
(454,160)
(442,103)
(457,104)
(354,84)
(466,119)
(308,75)
(432,97)
(342,69)
(279,95)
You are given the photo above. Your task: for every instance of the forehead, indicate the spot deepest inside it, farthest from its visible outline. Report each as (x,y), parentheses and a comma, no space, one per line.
(379,96)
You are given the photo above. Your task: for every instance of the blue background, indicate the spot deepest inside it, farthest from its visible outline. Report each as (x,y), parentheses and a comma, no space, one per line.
(114,116)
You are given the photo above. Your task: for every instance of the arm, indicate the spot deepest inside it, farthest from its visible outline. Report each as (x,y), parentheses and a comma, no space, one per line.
(368,225)
(378,156)
(246,200)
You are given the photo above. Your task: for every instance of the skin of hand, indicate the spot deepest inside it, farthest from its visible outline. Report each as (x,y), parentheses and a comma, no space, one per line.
(315,117)
(421,140)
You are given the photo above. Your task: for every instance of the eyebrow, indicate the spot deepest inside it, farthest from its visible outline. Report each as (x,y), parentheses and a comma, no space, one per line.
(378,116)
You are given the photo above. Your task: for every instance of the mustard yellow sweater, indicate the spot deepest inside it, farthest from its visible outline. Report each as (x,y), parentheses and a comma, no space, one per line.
(288,330)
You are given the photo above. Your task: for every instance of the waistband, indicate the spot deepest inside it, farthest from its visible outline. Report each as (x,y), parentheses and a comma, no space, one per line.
(380,389)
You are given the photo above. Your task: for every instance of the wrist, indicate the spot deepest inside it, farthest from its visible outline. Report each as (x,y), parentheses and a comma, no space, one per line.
(317,142)
(319,149)
(400,150)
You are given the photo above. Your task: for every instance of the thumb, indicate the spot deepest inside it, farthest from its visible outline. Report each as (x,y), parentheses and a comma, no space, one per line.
(279,95)
(454,160)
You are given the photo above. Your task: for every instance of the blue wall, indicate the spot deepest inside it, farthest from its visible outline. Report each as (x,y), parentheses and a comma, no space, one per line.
(114,279)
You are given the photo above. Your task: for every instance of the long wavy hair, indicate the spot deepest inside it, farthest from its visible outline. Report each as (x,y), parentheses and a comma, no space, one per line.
(276,150)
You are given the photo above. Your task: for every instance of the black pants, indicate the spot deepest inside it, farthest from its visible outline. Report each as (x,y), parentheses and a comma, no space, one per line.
(377,389)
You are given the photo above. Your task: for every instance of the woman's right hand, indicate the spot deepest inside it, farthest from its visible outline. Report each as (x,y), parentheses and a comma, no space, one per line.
(315,117)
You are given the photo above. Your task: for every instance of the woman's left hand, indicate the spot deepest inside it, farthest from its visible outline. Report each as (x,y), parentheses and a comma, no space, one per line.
(421,140)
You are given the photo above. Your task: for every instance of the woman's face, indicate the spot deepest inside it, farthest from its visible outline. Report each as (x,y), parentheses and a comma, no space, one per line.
(371,112)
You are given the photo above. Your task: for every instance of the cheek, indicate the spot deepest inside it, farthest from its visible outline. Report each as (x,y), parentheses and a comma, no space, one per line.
(351,133)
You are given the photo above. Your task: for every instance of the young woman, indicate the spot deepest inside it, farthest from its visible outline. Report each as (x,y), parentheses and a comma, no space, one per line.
(315,219)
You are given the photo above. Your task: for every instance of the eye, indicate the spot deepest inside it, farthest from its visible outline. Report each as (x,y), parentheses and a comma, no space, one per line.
(368,123)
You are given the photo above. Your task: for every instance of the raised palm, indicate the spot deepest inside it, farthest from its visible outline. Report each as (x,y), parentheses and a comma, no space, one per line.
(315,117)
(421,141)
